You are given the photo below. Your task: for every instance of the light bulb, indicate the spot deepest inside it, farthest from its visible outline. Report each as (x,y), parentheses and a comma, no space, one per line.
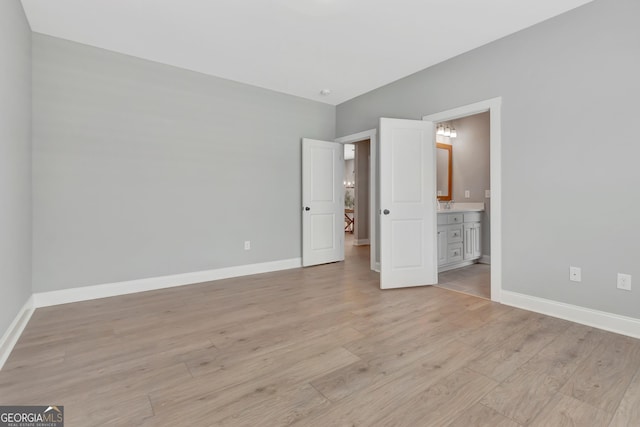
(440,130)
(453,133)
(447,131)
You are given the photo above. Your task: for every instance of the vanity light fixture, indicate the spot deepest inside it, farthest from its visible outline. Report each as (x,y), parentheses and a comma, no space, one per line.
(446,130)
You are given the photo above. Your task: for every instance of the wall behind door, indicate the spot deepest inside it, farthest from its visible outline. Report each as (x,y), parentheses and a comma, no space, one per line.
(362,190)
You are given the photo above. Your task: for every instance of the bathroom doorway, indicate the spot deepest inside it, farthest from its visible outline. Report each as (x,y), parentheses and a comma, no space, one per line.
(464,193)
(474,210)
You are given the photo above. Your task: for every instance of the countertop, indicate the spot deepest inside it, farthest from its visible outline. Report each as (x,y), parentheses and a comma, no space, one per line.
(461,207)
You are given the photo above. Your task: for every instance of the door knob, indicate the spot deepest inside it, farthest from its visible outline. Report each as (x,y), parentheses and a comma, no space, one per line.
(386,212)
(307,208)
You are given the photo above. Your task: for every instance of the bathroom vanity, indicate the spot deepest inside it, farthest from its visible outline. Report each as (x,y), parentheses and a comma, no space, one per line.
(459,235)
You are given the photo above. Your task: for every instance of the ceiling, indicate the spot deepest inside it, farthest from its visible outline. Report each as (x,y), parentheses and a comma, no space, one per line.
(299,47)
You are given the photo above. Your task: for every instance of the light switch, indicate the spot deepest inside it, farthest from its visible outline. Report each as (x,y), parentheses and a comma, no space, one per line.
(467,194)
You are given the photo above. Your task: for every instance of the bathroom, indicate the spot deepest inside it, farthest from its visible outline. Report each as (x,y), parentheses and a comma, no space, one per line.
(464,204)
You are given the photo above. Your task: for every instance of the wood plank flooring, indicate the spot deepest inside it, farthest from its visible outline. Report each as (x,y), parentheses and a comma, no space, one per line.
(321,346)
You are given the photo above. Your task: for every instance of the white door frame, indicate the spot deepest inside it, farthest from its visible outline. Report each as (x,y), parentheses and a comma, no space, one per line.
(373,150)
(495,150)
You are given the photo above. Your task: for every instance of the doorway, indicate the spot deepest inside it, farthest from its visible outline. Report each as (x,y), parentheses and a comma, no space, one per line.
(356,200)
(494,270)
(359,183)
(464,190)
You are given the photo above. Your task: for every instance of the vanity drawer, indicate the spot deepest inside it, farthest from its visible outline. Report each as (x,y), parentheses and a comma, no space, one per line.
(454,252)
(443,219)
(473,217)
(456,218)
(454,234)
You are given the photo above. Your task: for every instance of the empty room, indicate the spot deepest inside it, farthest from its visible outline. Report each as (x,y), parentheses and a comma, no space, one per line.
(319,213)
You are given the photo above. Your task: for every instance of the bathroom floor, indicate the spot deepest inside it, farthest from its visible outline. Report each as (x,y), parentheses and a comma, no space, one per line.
(473,280)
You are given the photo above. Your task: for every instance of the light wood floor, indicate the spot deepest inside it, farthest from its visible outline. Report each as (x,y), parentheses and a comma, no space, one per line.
(320,346)
(474,280)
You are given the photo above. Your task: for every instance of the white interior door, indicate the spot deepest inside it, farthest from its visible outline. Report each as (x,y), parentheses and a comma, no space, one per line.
(408,219)
(322,202)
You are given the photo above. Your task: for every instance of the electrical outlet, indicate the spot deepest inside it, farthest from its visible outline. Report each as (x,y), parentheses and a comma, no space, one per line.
(247,245)
(467,194)
(487,194)
(575,274)
(624,281)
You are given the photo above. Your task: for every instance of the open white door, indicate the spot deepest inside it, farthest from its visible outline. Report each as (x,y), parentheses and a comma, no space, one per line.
(322,202)
(408,219)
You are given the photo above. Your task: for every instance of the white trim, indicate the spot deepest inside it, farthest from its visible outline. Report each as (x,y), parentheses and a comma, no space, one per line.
(11,336)
(376,267)
(361,242)
(64,296)
(371,135)
(357,137)
(485,259)
(494,108)
(598,319)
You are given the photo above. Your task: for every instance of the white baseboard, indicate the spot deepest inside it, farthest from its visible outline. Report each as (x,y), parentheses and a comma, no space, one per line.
(11,336)
(377,267)
(461,264)
(485,259)
(598,319)
(360,242)
(64,296)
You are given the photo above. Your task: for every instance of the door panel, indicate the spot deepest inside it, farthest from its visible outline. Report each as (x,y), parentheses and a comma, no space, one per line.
(323,231)
(408,237)
(468,241)
(323,202)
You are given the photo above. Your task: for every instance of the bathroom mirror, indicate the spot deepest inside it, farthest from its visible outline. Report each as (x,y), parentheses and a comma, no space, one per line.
(444,164)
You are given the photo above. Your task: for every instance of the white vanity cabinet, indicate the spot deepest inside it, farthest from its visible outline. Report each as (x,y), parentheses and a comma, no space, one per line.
(458,239)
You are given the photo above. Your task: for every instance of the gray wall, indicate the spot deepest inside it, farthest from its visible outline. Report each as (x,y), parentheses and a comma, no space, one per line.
(15,161)
(471,158)
(471,167)
(362,190)
(143,170)
(570,193)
